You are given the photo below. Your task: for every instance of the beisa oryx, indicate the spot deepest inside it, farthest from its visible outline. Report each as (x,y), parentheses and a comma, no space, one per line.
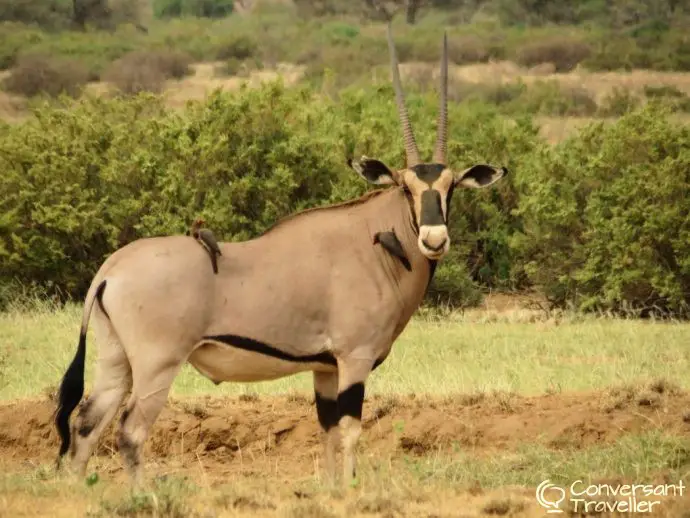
(326,290)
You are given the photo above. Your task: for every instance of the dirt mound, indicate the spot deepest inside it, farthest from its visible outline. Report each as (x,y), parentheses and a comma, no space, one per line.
(245,429)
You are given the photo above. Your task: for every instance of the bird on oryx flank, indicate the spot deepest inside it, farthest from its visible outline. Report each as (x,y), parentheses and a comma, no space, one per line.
(335,307)
(207,239)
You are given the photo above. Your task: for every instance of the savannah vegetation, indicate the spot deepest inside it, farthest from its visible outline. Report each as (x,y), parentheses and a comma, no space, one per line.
(596,225)
(599,222)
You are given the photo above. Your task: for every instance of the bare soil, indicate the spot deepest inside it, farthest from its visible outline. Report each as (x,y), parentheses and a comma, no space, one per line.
(274,443)
(233,430)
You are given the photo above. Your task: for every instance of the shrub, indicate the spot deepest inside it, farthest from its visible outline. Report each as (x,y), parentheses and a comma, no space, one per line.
(606,216)
(80,182)
(238,47)
(618,102)
(16,38)
(48,14)
(550,98)
(231,67)
(201,8)
(146,71)
(37,74)
(564,52)
(670,96)
(469,49)
(617,52)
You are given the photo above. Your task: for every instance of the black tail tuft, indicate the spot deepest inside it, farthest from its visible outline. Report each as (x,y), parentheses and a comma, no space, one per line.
(71,392)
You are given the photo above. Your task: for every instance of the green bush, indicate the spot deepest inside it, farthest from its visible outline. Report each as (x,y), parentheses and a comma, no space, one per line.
(606,217)
(670,96)
(81,181)
(600,221)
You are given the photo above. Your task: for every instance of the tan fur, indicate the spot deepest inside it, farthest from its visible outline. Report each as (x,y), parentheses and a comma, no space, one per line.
(314,283)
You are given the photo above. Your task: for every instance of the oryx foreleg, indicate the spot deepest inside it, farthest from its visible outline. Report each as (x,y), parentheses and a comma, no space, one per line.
(326,396)
(352,374)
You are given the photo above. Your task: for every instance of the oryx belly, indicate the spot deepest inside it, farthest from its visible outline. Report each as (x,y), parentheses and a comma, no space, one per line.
(232,360)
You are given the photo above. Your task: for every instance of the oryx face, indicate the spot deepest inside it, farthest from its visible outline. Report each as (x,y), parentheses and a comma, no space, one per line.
(428,186)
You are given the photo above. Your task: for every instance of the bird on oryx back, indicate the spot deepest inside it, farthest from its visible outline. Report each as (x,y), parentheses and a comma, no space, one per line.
(206,238)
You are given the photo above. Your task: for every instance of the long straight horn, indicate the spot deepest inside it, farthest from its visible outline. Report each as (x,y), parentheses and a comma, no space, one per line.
(442,135)
(410,144)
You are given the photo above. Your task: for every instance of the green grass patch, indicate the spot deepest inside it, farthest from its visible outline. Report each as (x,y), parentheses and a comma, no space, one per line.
(431,356)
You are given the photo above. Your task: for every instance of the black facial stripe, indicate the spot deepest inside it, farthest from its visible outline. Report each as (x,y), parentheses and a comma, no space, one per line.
(428,173)
(249,344)
(449,196)
(432,213)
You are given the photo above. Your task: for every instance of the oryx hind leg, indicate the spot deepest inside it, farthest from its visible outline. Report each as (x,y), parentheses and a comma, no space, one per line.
(352,375)
(326,396)
(112,383)
(153,374)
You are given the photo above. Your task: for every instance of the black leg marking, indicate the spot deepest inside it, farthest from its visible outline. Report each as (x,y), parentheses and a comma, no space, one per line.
(391,244)
(124,416)
(249,344)
(88,422)
(327,411)
(351,400)
(128,450)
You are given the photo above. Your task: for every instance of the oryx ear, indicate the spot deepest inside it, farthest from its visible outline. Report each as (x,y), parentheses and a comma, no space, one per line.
(374,171)
(480,175)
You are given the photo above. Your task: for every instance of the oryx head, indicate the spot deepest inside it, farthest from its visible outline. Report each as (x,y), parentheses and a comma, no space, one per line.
(429,186)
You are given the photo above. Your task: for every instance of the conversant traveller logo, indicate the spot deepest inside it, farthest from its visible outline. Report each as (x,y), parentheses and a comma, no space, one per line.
(602,498)
(551,501)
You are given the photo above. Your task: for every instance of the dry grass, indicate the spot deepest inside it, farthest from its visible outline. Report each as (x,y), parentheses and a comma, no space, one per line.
(204,79)
(599,84)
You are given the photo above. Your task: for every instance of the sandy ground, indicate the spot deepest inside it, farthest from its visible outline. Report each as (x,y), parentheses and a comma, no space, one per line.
(275,441)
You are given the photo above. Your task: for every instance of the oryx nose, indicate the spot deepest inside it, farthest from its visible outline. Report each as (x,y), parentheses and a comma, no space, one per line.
(436,248)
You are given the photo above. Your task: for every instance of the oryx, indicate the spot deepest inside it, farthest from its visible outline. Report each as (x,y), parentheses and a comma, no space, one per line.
(326,290)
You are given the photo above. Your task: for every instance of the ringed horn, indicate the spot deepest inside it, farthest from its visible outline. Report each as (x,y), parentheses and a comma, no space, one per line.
(411,149)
